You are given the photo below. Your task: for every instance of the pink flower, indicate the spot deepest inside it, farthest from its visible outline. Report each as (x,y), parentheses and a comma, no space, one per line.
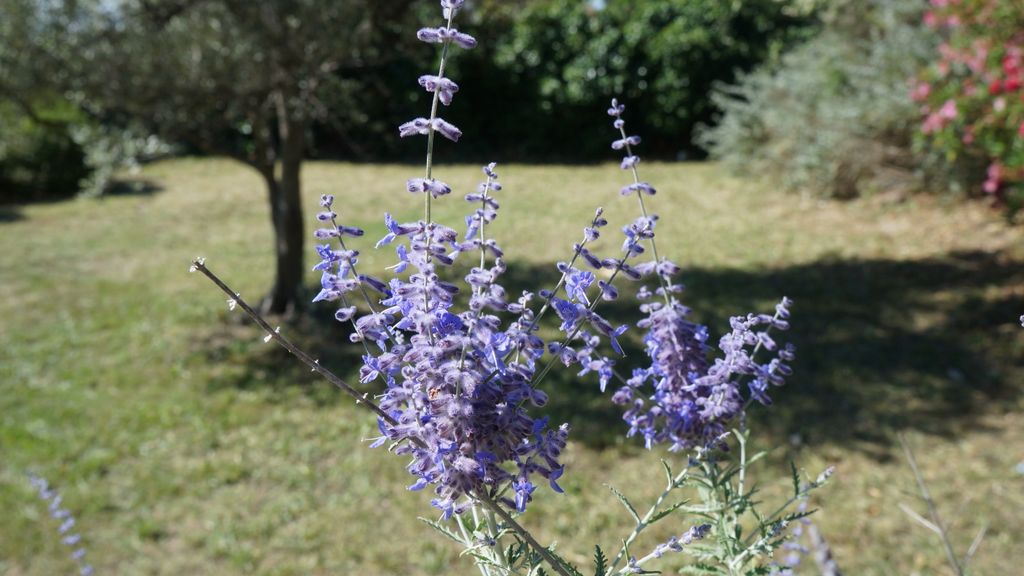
(921,91)
(930,20)
(977,62)
(948,110)
(932,123)
(995,175)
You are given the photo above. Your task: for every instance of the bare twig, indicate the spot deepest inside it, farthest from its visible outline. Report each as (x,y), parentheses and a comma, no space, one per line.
(362,399)
(933,511)
(975,545)
(919,519)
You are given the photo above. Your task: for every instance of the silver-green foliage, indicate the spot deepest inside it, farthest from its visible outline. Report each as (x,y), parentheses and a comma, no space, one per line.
(834,116)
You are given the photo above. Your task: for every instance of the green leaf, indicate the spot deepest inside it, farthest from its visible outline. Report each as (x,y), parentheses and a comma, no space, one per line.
(756,457)
(437,526)
(667,511)
(669,476)
(626,503)
(796,479)
(600,561)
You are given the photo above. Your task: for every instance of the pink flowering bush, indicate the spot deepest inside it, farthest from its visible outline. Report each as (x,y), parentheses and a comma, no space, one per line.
(971,97)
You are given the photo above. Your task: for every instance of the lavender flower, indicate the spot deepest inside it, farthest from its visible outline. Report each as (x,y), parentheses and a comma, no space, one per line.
(675,544)
(683,398)
(433,187)
(444,87)
(66,531)
(425,127)
(580,345)
(691,402)
(445,35)
(338,267)
(796,550)
(458,404)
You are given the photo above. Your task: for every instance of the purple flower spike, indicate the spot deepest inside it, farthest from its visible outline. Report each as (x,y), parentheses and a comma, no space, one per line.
(463,40)
(444,87)
(73,540)
(616,109)
(630,162)
(430,35)
(642,187)
(447,130)
(458,383)
(442,35)
(414,127)
(450,7)
(577,283)
(434,187)
(684,399)
(624,142)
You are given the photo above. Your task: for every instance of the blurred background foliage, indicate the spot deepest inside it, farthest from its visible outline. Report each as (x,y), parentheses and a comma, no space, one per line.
(537,86)
(833,117)
(815,95)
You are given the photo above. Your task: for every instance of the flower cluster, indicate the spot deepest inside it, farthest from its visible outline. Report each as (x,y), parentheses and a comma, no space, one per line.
(457,383)
(577,312)
(684,399)
(462,366)
(66,530)
(681,397)
(972,97)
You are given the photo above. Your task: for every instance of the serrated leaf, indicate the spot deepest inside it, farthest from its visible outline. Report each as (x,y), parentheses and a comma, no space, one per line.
(437,526)
(796,479)
(625,502)
(667,511)
(601,561)
(669,476)
(513,553)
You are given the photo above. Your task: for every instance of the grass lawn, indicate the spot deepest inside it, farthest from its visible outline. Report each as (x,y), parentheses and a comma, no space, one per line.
(185,445)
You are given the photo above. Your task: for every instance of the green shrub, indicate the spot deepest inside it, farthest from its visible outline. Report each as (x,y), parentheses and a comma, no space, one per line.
(38,157)
(833,117)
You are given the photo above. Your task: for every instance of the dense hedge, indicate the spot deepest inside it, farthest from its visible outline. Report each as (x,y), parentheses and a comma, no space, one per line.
(539,85)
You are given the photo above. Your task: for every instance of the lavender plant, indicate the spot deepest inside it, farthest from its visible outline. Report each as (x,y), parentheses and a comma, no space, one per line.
(462,383)
(66,530)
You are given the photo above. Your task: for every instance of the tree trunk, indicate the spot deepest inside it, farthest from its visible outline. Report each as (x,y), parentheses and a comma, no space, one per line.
(286,216)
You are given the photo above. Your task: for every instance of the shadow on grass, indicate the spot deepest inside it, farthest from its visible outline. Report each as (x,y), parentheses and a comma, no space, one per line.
(132,187)
(247,363)
(883,346)
(12,201)
(10,214)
